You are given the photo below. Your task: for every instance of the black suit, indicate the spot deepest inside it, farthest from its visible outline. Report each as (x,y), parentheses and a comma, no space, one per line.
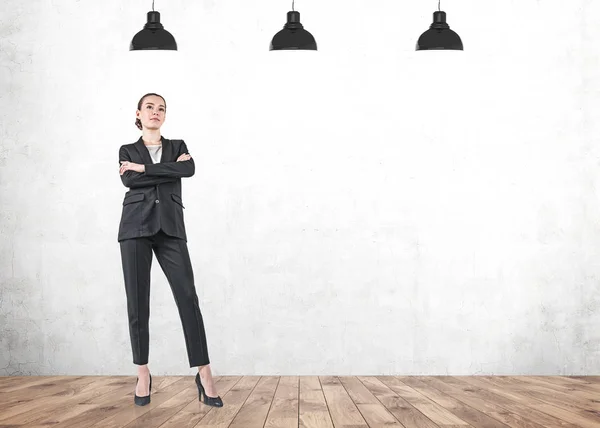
(152,219)
(154,201)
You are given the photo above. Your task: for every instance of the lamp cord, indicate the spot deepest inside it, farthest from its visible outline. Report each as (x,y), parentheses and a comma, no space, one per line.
(439,1)
(292,5)
(152,5)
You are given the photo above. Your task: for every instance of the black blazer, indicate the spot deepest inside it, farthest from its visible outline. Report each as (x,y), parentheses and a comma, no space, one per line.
(154,199)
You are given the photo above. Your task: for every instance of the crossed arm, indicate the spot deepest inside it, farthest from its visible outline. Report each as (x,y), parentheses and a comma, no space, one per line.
(158,173)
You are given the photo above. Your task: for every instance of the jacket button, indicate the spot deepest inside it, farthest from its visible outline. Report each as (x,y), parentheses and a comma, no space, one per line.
(157,201)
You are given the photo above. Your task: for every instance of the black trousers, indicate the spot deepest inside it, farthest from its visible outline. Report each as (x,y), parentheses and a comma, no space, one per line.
(174,259)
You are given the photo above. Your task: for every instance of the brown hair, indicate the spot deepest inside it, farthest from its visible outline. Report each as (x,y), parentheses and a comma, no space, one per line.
(138,122)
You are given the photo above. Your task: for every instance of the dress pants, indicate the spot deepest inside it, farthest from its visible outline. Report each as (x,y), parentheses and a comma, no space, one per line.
(174,259)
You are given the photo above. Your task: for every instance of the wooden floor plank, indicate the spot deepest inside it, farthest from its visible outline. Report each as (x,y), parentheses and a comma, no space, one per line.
(160,414)
(574,418)
(568,402)
(8,380)
(84,413)
(284,409)
(61,385)
(478,400)
(524,403)
(163,388)
(313,411)
(256,408)
(14,383)
(460,409)
(26,399)
(305,402)
(235,399)
(89,411)
(586,391)
(59,400)
(374,413)
(595,379)
(569,380)
(514,405)
(436,413)
(591,383)
(195,410)
(342,409)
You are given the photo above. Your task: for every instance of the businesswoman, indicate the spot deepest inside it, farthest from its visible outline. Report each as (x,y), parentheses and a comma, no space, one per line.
(152,220)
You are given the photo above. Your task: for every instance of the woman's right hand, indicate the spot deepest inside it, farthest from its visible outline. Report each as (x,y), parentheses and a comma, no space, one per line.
(184,157)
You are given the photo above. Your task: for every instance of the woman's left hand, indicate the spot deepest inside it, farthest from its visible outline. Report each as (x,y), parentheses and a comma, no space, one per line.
(125,166)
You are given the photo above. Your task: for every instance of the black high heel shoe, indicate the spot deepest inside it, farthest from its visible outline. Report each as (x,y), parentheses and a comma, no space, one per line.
(210,401)
(142,401)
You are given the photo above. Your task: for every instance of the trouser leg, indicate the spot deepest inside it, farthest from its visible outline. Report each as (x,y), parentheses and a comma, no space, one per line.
(136,256)
(174,259)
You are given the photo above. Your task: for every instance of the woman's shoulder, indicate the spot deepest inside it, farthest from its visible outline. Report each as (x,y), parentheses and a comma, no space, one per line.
(177,142)
(127,147)
(131,145)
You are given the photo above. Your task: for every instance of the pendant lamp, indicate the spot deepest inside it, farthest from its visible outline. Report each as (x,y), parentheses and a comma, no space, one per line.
(293,36)
(153,36)
(439,36)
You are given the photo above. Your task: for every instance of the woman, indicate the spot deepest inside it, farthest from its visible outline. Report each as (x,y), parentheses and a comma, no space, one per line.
(152,219)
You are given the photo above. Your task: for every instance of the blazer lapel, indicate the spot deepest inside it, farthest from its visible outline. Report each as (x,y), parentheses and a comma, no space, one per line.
(166,150)
(145,155)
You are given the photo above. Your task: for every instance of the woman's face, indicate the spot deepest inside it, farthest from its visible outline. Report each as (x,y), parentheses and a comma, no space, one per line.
(152,113)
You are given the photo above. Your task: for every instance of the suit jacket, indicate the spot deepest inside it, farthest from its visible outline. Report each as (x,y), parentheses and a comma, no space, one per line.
(154,200)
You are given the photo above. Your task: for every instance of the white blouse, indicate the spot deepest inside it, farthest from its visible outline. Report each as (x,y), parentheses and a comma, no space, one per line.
(155,152)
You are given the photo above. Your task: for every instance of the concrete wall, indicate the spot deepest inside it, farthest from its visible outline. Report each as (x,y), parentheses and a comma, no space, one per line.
(363,209)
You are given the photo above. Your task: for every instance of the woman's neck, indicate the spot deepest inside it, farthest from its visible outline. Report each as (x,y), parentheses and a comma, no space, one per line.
(151,137)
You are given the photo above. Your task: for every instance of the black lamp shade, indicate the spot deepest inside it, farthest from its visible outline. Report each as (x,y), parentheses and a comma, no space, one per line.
(153,36)
(439,36)
(293,36)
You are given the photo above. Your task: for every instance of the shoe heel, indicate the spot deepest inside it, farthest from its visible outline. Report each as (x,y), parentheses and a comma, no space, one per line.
(200,388)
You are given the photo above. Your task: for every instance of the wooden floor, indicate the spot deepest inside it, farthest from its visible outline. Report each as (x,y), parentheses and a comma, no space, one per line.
(305,401)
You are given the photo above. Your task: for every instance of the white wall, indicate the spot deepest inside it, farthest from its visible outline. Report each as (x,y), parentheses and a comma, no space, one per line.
(364,209)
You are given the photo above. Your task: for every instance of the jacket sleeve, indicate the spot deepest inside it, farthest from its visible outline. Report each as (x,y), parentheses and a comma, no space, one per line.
(134,179)
(173,169)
